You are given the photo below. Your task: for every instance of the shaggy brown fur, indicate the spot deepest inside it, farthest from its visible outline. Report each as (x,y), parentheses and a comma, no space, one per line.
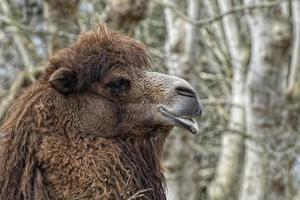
(72,136)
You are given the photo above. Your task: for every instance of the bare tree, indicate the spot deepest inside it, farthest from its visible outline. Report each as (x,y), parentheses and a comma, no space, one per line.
(61,16)
(125,15)
(231,158)
(294,83)
(21,44)
(266,84)
(181,51)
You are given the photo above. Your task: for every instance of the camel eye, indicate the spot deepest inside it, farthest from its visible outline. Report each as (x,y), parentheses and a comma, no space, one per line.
(118,86)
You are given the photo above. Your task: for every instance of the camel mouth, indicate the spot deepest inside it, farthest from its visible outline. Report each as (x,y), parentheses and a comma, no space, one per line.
(185,122)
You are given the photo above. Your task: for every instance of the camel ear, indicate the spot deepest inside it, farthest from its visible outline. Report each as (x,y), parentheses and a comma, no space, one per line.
(64,80)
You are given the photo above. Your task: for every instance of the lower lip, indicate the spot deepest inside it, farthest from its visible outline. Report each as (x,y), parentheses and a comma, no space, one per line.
(178,120)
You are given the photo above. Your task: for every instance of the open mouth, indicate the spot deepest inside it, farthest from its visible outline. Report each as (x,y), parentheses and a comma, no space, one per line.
(186,122)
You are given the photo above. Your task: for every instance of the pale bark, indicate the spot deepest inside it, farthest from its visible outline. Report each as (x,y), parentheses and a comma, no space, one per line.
(294,79)
(297,196)
(231,158)
(265,94)
(60,16)
(173,40)
(125,15)
(26,58)
(175,35)
(285,7)
(15,89)
(191,33)
(19,39)
(217,26)
(181,53)
(12,93)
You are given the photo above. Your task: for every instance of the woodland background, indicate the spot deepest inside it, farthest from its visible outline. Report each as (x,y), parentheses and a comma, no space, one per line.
(243,56)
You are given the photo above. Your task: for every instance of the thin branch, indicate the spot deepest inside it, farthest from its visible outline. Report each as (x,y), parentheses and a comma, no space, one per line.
(30,29)
(7,101)
(18,38)
(234,10)
(238,9)
(294,79)
(14,89)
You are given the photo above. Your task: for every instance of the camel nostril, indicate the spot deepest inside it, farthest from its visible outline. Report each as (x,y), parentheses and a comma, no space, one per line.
(184,91)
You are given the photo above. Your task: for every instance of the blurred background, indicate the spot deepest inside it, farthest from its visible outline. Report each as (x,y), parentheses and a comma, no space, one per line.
(243,56)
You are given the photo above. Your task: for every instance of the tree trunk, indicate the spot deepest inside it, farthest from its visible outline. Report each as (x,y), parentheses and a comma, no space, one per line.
(231,158)
(60,16)
(181,53)
(217,27)
(294,80)
(125,15)
(297,197)
(266,84)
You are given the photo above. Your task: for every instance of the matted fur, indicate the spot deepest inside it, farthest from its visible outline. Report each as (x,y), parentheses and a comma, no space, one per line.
(44,151)
(90,62)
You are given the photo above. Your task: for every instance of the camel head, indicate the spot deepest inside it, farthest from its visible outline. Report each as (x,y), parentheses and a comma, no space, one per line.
(105,82)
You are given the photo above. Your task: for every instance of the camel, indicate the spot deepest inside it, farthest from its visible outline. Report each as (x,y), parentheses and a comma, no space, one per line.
(94,124)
